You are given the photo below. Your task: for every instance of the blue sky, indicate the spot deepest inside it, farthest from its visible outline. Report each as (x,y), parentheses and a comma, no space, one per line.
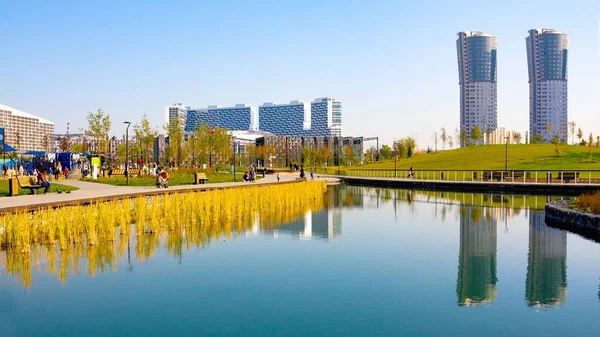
(392,63)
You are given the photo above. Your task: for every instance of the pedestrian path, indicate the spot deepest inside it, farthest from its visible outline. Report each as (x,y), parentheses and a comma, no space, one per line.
(89,191)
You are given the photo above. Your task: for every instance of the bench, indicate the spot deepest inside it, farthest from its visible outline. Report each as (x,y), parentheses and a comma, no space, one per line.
(201,178)
(121,172)
(568,176)
(29,183)
(495,175)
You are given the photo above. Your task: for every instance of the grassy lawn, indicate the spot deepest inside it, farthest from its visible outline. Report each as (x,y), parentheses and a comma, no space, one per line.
(176,178)
(491,157)
(54,188)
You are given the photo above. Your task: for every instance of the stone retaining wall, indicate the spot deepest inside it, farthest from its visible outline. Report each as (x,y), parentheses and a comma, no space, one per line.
(558,214)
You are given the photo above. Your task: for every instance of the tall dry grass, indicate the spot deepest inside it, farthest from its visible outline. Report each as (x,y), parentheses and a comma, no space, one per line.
(589,202)
(100,234)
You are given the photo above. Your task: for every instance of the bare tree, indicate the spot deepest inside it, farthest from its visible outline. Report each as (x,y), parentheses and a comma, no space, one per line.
(572,131)
(443,137)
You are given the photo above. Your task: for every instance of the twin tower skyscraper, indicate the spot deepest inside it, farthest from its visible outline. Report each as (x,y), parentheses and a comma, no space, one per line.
(547,68)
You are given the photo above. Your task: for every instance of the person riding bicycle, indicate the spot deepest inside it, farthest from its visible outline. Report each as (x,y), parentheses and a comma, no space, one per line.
(411,173)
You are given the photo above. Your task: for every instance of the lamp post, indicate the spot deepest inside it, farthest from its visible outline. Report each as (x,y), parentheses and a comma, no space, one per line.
(506,154)
(395,159)
(127,152)
(234,163)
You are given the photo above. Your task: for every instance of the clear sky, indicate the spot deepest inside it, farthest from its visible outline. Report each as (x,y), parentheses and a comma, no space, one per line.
(392,63)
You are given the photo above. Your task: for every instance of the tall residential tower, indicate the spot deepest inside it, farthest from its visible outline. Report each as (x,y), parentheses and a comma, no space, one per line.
(477,80)
(547,64)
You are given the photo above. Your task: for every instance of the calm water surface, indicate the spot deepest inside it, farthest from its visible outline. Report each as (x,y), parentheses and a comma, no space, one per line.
(373,262)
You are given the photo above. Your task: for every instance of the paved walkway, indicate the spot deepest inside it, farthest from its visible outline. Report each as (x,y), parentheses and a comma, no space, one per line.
(89,191)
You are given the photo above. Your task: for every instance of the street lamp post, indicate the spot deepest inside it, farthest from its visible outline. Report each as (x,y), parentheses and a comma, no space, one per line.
(506,154)
(127,152)
(234,163)
(395,160)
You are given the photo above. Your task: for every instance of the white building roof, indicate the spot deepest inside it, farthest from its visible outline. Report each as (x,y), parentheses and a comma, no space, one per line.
(24,114)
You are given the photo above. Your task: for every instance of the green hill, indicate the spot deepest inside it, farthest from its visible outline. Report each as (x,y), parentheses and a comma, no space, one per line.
(491,157)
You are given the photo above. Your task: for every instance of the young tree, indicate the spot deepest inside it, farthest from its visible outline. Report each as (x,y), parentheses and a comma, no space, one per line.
(451,141)
(517,136)
(597,141)
(145,135)
(476,134)
(548,129)
(579,134)
(98,128)
(410,144)
(386,151)
(443,137)
(572,131)
(325,154)
(591,141)
(464,138)
(400,149)
(457,136)
(63,144)
(348,151)
(538,139)
(175,133)
(368,155)
(556,142)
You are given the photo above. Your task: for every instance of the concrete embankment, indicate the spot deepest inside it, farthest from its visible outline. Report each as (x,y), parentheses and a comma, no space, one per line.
(476,186)
(558,214)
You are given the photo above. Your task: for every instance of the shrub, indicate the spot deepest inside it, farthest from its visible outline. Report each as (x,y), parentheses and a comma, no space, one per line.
(589,202)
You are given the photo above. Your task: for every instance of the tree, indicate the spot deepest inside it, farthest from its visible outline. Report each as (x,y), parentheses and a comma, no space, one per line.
(457,135)
(597,141)
(539,139)
(77,148)
(306,154)
(400,149)
(175,133)
(214,145)
(579,134)
(386,151)
(410,144)
(548,129)
(464,138)
(443,137)
(476,134)
(348,151)
(556,142)
(325,154)
(47,142)
(98,128)
(591,141)
(63,144)
(145,135)
(451,141)
(517,136)
(368,155)
(572,131)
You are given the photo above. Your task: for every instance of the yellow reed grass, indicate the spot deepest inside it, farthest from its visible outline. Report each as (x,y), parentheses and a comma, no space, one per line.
(99,233)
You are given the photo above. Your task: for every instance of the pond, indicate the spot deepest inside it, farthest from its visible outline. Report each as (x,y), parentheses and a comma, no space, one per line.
(370,262)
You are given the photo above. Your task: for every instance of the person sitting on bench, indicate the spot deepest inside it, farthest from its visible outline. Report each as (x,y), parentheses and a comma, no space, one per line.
(43,181)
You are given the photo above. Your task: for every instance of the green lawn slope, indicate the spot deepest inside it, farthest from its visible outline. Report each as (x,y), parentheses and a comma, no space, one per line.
(491,157)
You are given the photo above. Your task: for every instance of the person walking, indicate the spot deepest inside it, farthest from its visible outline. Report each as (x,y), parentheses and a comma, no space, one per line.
(312,173)
(278,177)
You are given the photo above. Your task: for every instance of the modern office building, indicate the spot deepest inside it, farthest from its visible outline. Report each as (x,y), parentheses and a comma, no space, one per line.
(24,131)
(293,119)
(176,110)
(477,277)
(546,283)
(547,51)
(477,60)
(238,117)
(320,118)
(326,117)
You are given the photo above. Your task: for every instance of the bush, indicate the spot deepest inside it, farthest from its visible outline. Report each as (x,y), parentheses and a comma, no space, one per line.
(589,203)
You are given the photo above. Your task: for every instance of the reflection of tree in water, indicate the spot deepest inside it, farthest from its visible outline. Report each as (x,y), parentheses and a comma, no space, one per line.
(546,283)
(476,282)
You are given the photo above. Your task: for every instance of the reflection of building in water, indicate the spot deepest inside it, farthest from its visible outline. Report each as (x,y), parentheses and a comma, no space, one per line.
(546,283)
(326,224)
(477,257)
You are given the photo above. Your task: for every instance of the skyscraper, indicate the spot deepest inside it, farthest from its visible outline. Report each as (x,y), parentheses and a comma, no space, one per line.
(547,65)
(176,111)
(477,80)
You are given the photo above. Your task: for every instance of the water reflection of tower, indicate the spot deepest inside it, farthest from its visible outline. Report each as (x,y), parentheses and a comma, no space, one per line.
(546,283)
(477,257)
(325,224)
